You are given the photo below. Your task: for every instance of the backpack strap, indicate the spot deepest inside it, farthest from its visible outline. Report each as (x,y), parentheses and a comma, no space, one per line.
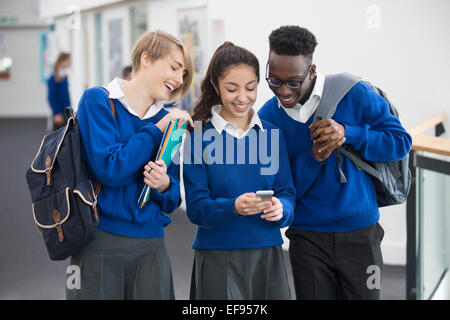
(335,88)
(113,107)
(358,162)
(341,173)
(98,185)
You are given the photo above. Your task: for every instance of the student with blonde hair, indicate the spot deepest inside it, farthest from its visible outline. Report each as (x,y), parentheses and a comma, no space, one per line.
(128,258)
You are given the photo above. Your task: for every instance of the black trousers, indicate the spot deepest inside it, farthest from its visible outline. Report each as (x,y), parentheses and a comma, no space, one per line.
(336,265)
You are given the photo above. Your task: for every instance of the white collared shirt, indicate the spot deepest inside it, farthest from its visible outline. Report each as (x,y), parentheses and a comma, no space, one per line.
(303,112)
(220,124)
(115,92)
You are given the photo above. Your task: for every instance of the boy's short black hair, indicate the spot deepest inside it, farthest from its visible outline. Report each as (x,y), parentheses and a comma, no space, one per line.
(292,41)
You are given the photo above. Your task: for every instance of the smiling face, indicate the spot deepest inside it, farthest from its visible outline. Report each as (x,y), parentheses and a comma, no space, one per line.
(164,75)
(291,68)
(238,91)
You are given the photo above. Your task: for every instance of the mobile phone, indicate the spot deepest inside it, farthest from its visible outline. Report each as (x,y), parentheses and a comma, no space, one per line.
(265,195)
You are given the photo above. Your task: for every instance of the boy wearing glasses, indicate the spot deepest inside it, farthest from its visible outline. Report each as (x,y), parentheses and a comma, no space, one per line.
(335,236)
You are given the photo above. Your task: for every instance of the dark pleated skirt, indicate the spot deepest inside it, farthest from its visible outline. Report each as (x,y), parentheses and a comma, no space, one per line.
(118,267)
(253,274)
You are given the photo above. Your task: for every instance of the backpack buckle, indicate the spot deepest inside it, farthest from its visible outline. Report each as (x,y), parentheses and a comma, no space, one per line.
(57,220)
(48,163)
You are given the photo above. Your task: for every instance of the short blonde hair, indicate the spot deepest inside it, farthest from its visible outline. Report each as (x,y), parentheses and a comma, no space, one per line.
(159,44)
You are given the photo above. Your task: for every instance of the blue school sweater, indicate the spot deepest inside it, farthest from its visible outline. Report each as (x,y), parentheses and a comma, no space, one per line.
(323,203)
(217,168)
(58,94)
(116,151)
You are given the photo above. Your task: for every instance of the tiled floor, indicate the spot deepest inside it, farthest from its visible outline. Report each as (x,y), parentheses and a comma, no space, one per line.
(25,270)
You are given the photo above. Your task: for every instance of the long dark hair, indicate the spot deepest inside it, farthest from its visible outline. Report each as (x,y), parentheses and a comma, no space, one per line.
(226,56)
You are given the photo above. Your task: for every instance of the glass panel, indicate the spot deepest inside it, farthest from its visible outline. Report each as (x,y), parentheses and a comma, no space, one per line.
(192,31)
(98,48)
(433,223)
(115,48)
(138,16)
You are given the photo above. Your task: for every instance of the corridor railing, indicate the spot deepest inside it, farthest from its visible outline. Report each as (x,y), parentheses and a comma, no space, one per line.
(428,213)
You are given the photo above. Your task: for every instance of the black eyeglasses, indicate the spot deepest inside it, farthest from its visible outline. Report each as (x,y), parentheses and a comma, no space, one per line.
(273,82)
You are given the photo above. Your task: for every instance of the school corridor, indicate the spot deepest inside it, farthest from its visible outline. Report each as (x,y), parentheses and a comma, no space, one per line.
(398,46)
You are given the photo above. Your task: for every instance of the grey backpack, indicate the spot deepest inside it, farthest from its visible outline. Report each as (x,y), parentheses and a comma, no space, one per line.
(392,180)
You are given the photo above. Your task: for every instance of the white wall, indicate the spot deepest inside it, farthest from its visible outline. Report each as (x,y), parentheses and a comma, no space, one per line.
(162,14)
(23,94)
(52,8)
(27,11)
(108,15)
(408,55)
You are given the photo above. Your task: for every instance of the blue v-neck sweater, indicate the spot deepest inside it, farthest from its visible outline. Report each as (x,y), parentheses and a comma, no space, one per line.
(218,168)
(116,151)
(323,203)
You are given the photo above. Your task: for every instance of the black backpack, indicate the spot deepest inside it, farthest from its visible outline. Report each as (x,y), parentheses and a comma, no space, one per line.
(64,200)
(392,180)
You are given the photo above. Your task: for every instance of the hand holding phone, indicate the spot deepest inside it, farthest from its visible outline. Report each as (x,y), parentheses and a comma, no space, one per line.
(250,203)
(274,212)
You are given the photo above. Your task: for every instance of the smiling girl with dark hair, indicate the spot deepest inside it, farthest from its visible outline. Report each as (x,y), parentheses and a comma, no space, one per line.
(238,251)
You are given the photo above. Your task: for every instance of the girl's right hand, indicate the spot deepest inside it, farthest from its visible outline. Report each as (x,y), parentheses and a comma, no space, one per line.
(182,115)
(248,204)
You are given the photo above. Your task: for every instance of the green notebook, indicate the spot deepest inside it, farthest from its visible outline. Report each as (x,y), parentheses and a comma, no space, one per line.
(170,144)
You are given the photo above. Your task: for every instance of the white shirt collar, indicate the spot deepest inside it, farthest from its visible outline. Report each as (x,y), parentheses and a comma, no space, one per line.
(302,112)
(318,86)
(220,124)
(115,92)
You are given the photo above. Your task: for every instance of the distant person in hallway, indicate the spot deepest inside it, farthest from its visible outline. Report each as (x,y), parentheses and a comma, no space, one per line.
(128,258)
(238,252)
(126,73)
(335,236)
(58,89)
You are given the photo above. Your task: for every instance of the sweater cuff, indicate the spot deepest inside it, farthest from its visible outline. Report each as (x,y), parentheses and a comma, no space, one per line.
(311,162)
(226,208)
(353,134)
(287,213)
(159,197)
(230,207)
